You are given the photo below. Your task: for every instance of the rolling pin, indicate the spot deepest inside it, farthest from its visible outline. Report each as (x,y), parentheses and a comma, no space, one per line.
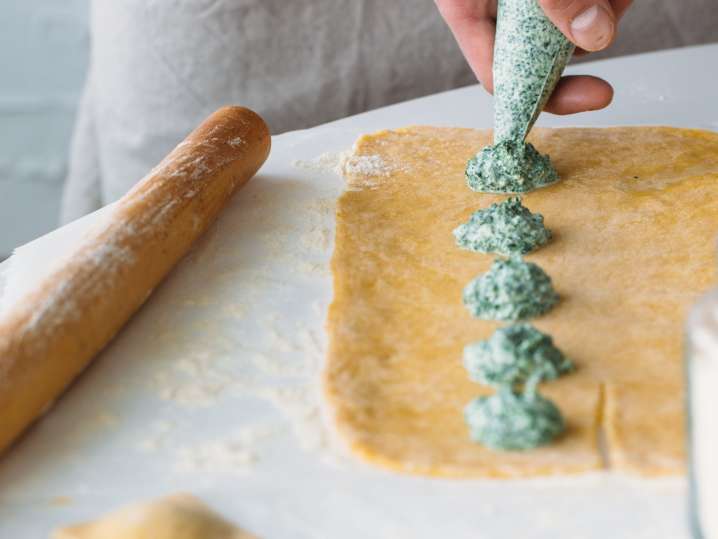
(52,334)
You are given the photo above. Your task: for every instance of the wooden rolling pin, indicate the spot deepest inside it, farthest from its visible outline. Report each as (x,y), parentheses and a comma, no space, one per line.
(53,333)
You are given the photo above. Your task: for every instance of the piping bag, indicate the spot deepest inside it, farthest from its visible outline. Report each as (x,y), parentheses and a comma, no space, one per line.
(530,55)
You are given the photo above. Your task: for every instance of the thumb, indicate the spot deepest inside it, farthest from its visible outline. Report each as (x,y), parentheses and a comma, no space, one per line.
(590,24)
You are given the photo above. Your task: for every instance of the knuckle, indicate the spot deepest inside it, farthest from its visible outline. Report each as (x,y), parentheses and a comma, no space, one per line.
(559,5)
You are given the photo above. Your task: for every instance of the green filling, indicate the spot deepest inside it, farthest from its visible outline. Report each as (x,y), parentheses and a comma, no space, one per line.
(511,421)
(511,290)
(513,355)
(509,167)
(504,228)
(529,56)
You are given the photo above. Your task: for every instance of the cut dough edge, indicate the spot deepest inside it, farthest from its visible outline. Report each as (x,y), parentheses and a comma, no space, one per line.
(519,465)
(632,454)
(606,430)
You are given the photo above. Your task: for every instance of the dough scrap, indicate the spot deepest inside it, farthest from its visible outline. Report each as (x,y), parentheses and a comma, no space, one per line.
(179,516)
(634,217)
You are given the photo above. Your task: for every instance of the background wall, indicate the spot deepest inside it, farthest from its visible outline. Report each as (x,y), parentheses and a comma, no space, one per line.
(43,56)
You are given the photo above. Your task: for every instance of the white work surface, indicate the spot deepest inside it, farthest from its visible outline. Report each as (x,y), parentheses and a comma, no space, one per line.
(213,388)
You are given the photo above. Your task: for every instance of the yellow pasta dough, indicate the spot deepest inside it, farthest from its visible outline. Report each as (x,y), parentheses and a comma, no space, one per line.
(179,516)
(634,220)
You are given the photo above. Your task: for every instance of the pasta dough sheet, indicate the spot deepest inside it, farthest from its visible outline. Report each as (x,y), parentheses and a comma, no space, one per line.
(634,221)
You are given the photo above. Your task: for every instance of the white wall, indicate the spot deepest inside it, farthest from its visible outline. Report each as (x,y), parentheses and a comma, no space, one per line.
(43,57)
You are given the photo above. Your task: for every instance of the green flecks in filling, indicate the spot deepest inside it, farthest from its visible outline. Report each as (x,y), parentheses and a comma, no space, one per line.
(509,167)
(530,55)
(512,289)
(514,355)
(513,421)
(504,228)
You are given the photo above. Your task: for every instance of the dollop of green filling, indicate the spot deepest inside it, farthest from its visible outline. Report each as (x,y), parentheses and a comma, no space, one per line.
(505,228)
(510,167)
(512,289)
(513,421)
(513,355)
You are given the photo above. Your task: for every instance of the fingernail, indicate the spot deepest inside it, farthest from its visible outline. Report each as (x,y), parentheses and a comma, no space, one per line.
(593,28)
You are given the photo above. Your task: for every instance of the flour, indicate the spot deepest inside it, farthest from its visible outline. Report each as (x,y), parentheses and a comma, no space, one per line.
(199,380)
(206,365)
(284,372)
(367,165)
(237,453)
(327,162)
(234,453)
(360,171)
(194,380)
(317,233)
(216,457)
(264,360)
(237,141)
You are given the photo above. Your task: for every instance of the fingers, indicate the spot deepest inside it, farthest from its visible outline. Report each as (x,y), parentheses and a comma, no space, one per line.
(473,24)
(579,93)
(590,24)
(476,41)
(452,9)
(620,7)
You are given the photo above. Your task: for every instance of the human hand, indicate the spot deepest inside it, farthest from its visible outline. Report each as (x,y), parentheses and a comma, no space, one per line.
(590,24)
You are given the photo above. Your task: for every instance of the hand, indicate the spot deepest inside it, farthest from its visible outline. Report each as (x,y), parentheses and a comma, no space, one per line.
(590,24)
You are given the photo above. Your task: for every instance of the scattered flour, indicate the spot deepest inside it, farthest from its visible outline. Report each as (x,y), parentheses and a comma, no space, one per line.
(227,353)
(236,453)
(360,171)
(367,171)
(327,162)
(220,456)
(193,380)
(367,165)
(283,371)
(302,408)
(237,141)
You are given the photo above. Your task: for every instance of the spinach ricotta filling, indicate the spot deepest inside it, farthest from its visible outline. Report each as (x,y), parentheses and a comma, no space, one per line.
(504,228)
(511,290)
(510,166)
(510,421)
(514,355)
(530,55)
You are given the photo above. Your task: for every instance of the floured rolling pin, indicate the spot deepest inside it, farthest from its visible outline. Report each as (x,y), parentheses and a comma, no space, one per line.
(51,335)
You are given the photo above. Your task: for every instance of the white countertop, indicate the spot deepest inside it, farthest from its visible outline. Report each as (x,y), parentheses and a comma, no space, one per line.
(213,389)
